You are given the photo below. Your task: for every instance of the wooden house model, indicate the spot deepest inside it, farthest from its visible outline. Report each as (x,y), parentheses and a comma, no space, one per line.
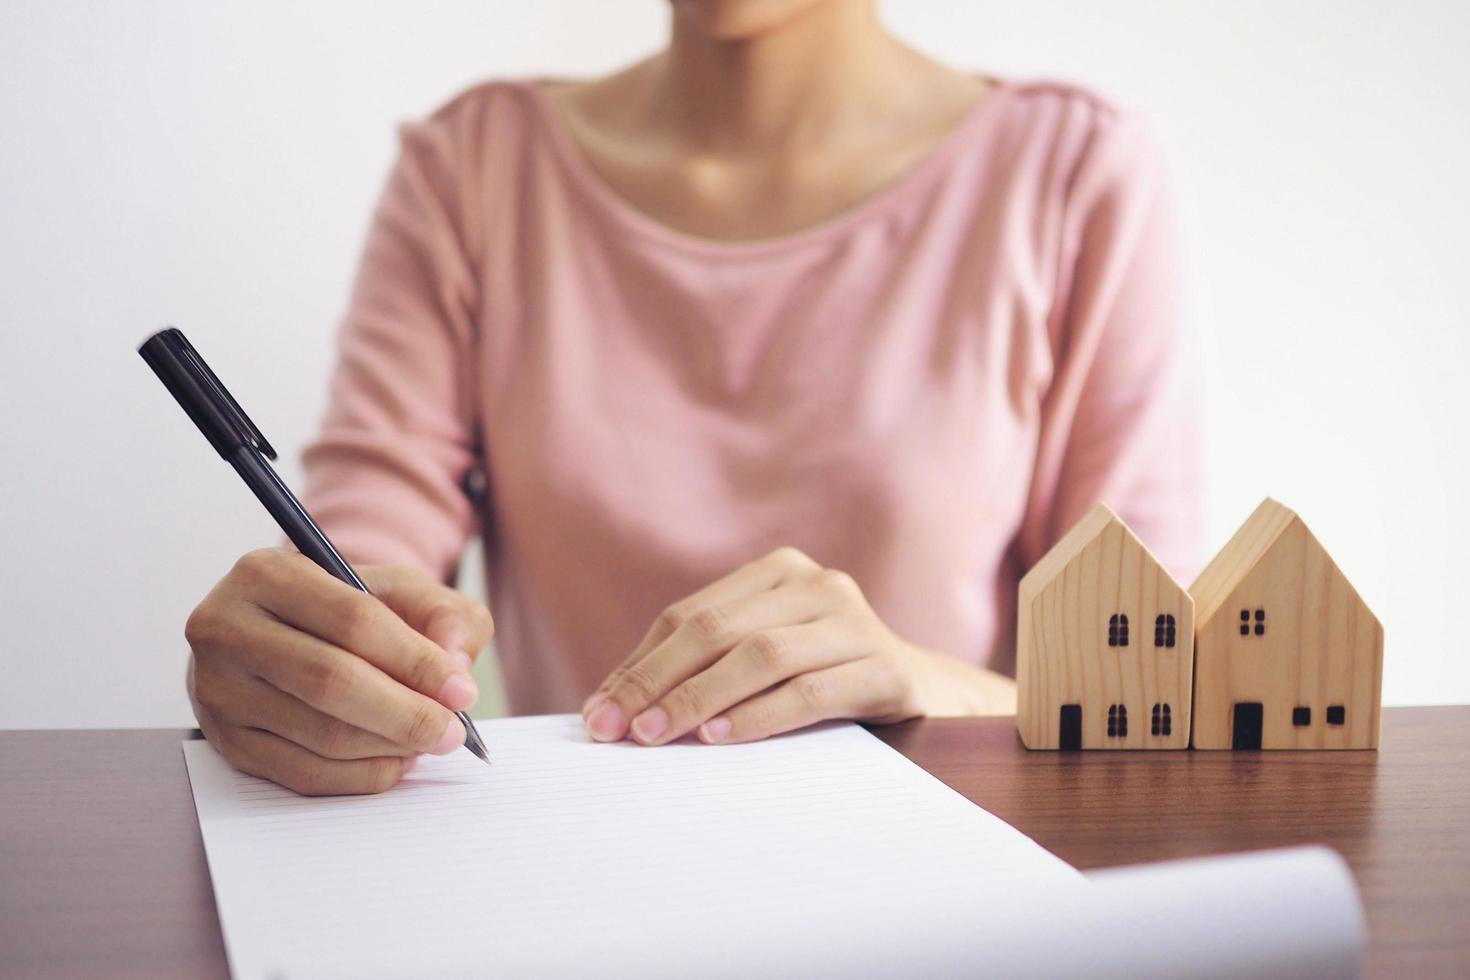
(1104,645)
(1287,655)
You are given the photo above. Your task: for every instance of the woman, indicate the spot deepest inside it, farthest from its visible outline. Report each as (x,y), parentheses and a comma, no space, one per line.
(788,341)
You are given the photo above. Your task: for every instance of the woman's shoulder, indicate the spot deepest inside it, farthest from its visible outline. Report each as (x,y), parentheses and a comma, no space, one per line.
(500,103)
(1080,131)
(1063,102)
(490,116)
(1067,111)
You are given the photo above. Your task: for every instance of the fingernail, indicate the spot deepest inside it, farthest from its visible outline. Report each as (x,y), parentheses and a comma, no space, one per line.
(606,723)
(452,738)
(592,704)
(459,692)
(410,764)
(651,724)
(715,730)
(466,664)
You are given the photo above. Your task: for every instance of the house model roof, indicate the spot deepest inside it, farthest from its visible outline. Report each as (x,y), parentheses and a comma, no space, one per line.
(1242,553)
(1072,544)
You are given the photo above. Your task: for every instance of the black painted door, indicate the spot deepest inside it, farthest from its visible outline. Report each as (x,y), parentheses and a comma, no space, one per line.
(1245,733)
(1071,727)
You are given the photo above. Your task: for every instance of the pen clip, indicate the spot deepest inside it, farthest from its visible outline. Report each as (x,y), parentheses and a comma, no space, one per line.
(223,409)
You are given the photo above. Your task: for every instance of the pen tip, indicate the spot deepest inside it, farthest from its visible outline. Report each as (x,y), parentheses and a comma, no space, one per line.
(472,740)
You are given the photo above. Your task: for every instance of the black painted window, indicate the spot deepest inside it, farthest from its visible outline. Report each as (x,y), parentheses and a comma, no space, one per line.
(1117,721)
(1118,630)
(1162,722)
(1165,633)
(1302,717)
(1336,714)
(1259,621)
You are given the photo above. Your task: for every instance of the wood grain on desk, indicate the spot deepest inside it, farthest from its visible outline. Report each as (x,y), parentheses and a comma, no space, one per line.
(102,871)
(1400,816)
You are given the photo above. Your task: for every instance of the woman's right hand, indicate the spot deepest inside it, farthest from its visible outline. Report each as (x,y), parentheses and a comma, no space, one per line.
(310,683)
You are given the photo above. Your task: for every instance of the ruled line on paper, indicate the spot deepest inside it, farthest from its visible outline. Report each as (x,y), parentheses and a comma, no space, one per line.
(594,837)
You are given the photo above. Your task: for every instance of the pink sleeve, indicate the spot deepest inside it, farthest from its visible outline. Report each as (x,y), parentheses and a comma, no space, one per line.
(385,478)
(1122,419)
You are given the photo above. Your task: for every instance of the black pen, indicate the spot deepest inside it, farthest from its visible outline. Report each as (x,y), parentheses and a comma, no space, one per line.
(225,424)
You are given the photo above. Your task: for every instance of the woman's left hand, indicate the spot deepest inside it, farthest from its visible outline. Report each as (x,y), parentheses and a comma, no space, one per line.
(778,644)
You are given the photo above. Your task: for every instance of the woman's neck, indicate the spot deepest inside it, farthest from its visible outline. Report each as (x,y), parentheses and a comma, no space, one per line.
(771,133)
(789,85)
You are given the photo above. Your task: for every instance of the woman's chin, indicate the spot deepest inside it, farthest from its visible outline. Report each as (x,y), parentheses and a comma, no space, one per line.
(739,20)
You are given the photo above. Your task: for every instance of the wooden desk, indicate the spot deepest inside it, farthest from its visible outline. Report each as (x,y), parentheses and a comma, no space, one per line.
(102,870)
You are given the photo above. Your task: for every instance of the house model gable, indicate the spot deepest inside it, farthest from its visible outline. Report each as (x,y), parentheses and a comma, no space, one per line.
(1241,553)
(1104,644)
(1287,654)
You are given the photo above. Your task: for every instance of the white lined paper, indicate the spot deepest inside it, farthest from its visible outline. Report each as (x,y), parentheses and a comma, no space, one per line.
(822,852)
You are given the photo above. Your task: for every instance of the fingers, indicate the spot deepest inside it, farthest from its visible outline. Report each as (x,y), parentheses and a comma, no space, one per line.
(272,757)
(700,641)
(341,685)
(249,702)
(324,688)
(764,574)
(836,692)
(446,616)
(296,591)
(759,662)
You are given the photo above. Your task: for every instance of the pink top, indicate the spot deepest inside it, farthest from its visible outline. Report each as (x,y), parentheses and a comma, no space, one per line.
(925,391)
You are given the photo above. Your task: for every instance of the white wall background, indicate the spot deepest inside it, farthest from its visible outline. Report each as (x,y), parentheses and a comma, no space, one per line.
(213,166)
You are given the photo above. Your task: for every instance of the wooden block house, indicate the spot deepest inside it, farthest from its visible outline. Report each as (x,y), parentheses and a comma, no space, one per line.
(1287,655)
(1104,644)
